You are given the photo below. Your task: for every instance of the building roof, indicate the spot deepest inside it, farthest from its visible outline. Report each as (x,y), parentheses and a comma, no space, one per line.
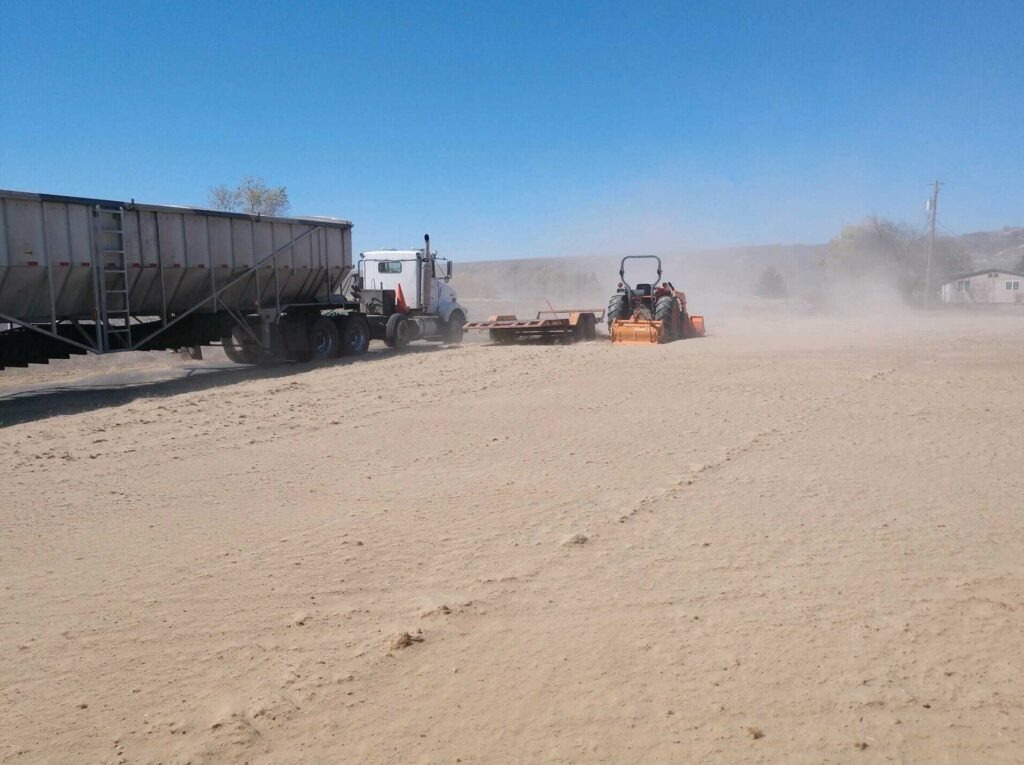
(1003,271)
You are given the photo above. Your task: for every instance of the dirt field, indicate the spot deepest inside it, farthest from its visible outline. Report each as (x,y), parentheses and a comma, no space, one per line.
(795,540)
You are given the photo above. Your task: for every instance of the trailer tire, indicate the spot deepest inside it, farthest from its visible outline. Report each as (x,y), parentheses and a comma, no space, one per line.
(666,310)
(585,329)
(579,331)
(618,308)
(397,334)
(453,329)
(239,347)
(324,339)
(355,336)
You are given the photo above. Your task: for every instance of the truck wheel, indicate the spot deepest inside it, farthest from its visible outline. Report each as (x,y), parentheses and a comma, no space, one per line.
(324,342)
(618,308)
(397,333)
(453,330)
(666,310)
(355,336)
(239,347)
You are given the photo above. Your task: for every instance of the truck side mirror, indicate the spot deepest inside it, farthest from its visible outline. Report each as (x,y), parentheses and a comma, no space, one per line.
(448,274)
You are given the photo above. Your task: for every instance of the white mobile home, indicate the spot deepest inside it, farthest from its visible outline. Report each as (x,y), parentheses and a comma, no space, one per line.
(985,287)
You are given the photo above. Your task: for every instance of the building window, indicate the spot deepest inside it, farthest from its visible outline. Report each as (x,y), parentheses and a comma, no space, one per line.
(389,267)
(1013,285)
(963,285)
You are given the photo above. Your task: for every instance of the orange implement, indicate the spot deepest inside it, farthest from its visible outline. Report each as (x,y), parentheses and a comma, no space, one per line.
(636,331)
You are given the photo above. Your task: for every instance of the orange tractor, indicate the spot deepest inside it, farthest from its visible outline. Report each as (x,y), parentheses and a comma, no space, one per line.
(650,313)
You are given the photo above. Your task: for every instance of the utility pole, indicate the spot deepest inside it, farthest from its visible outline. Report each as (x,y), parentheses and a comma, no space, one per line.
(932,208)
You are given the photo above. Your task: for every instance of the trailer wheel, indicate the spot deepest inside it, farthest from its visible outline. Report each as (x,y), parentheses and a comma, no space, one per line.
(585,329)
(453,330)
(239,347)
(324,342)
(666,310)
(396,335)
(355,336)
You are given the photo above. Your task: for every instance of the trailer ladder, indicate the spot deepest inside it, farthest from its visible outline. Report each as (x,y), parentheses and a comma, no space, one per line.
(114,281)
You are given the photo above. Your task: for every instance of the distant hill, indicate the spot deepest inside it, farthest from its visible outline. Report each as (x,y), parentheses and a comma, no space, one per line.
(995,249)
(733,271)
(730,270)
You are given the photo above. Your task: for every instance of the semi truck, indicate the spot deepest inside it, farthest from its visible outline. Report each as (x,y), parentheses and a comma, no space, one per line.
(80,275)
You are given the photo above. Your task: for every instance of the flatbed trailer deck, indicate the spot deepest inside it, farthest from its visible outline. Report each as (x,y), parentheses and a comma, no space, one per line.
(553,326)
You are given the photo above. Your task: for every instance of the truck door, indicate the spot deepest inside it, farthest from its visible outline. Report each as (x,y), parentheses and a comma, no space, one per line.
(388,274)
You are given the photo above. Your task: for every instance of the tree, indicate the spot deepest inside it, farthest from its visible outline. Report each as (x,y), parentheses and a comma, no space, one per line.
(770,284)
(252,196)
(881,252)
(1020,264)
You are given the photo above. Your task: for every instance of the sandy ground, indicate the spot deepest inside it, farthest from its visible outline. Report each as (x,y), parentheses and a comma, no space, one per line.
(794,540)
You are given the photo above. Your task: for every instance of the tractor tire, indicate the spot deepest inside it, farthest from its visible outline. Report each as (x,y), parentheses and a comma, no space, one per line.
(618,308)
(397,334)
(666,310)
(454,329)
(324,339)
(355,335)
(239,347)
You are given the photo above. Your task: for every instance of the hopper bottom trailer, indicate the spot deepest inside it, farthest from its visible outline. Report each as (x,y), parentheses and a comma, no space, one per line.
(98,276)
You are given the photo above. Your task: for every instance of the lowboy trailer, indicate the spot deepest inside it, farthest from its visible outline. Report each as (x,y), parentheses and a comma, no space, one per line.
(548,327)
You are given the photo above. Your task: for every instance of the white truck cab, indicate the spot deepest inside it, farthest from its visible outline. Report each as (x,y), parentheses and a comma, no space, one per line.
(418,281)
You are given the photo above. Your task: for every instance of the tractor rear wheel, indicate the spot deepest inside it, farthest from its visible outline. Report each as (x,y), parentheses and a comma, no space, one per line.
(618,308)
(666,310)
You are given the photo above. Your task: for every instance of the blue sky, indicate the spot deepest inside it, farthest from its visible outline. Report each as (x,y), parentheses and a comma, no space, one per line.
(529,128)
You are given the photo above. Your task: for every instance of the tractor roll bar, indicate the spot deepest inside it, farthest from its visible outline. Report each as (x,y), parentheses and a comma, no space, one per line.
(622,265)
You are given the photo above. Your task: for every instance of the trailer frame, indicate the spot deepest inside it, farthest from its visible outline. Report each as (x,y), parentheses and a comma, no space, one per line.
(569,325)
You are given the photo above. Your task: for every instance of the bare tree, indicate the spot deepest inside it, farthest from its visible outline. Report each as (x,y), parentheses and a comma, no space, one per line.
(886,252)
(252,196)
(223,198)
